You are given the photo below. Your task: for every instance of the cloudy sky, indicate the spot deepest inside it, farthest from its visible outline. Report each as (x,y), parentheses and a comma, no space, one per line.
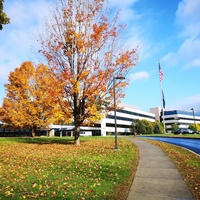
(167,31)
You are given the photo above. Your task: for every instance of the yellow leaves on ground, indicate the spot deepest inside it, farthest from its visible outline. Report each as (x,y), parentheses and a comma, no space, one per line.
(64,171)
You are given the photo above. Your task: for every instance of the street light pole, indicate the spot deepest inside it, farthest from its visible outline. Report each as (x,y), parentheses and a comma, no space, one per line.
(114,78)
(194,119)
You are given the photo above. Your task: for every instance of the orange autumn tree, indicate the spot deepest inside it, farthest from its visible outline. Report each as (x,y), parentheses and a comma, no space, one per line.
(83,49)
(29,103)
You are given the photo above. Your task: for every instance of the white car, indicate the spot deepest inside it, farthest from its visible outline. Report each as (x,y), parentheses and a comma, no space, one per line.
(86,133)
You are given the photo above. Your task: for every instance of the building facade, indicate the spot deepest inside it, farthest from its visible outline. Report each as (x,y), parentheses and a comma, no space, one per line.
(124,118)
(181,118)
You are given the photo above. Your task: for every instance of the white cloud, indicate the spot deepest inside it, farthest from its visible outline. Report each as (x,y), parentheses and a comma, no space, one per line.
(187,103)
(127,13)
(187,55)
(27,17)
(188,17)
(139,76)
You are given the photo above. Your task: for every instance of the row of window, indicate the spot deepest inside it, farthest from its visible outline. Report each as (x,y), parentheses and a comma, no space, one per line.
(175,112)
(129,119)
(117,125)
(178,123)
(182,118)
(136,114)
(119,118)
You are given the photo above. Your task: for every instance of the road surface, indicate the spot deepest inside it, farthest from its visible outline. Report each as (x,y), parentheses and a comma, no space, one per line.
(188,143)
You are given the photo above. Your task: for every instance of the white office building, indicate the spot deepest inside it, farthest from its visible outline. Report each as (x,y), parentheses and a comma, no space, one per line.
(124,118)
(182,118)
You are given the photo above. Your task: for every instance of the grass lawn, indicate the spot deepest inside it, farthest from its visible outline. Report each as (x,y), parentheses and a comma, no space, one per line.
(186,162)
(53,168)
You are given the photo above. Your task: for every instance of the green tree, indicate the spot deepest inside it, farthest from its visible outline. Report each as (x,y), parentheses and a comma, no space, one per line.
(83,48)
(133,127)
(193,127)
(174,127)
(148,126)
(3,17)
(157,127)
(138,127)
(198,127)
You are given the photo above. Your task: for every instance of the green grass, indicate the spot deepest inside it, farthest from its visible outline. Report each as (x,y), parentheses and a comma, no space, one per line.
(53,168)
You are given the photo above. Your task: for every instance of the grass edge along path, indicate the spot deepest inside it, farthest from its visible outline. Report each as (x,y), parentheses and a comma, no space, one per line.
(54,168)
(186,162)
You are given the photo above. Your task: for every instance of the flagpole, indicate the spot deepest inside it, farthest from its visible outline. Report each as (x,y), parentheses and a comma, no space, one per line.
(161,95)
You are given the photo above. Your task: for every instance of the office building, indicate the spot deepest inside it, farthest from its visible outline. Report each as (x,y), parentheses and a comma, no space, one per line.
(124,117)
(181,118)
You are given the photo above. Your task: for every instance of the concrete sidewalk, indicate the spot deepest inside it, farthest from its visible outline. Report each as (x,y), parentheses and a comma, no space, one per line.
(156,177)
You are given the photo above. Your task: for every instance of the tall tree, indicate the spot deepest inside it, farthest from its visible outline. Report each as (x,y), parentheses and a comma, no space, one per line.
(29,102)
(158,127)
(83,48)
(3,17)
(138,126)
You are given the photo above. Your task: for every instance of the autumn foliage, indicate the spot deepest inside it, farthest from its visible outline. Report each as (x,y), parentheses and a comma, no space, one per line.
(51,168)
(83,49)
(30,102)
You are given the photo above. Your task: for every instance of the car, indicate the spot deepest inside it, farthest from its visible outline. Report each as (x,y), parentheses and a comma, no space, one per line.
(86,133)
(184,131)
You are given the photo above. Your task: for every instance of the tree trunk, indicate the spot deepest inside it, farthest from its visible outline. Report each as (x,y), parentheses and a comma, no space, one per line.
(33,132)
(77,135)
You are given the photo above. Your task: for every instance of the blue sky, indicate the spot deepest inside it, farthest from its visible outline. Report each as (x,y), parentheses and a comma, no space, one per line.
(164,30)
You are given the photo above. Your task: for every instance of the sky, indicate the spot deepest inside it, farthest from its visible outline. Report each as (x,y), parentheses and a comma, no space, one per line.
(165,31)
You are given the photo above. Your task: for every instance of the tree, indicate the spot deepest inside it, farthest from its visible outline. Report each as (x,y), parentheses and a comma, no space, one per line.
(138,127)
(3,17)
(83,50)
(148,126)
(174,127)
(194,127)
(133,127)
(29,101)
(157,127)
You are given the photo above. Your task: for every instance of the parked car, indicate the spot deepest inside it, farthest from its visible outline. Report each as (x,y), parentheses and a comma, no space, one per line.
(86,133)
(184,131)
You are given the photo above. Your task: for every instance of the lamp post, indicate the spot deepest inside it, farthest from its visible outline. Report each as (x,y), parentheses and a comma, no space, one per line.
(116,78)
(194,119)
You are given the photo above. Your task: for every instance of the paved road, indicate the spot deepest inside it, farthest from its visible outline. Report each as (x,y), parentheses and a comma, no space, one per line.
(191,144)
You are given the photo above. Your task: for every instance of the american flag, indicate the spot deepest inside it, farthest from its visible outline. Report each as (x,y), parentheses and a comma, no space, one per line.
(160,73)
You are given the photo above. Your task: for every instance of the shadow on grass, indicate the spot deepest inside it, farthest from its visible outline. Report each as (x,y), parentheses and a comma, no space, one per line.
(40,140)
